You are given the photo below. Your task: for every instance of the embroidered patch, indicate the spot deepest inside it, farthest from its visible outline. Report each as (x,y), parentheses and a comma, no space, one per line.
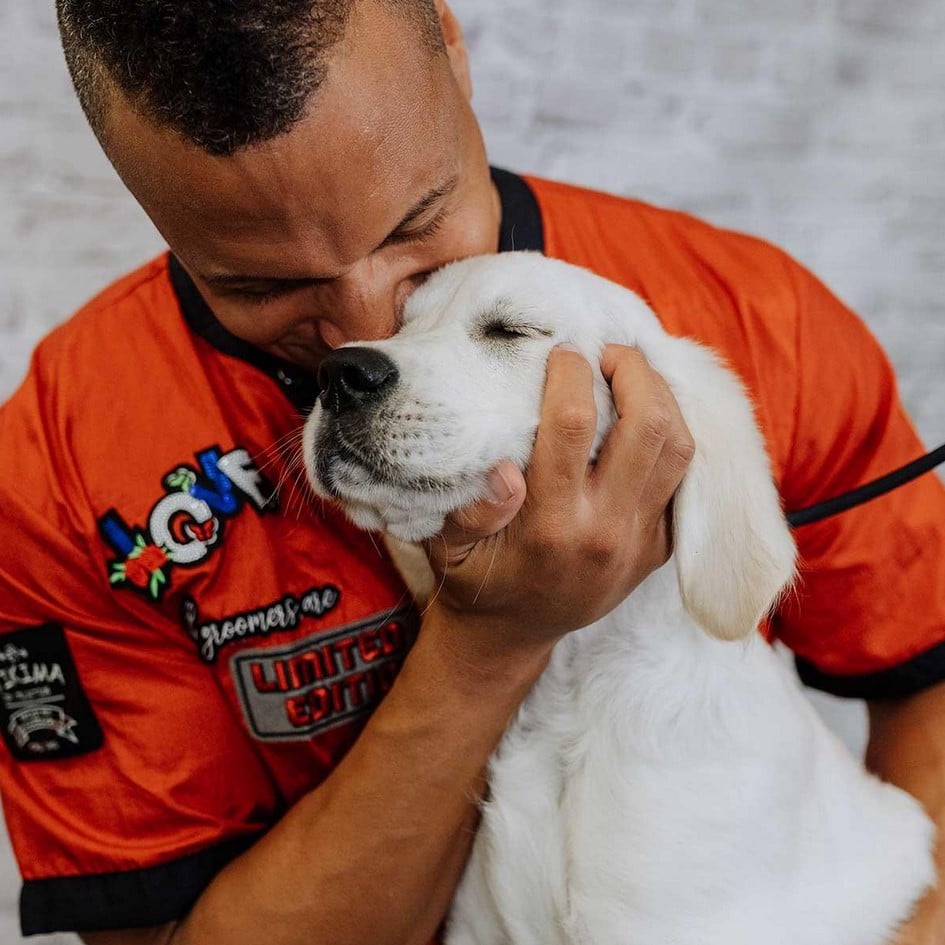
(43,709)
(286,613)
(186,524)
(291,692)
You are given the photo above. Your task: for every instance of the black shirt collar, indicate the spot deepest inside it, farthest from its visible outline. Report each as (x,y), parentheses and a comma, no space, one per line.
(521,226)
(521,229)
(298,384)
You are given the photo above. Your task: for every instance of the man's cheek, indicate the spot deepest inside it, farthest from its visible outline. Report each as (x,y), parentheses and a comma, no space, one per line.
(471,233)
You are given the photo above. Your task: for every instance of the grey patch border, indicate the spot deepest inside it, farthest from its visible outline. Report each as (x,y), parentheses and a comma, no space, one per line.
(280,652)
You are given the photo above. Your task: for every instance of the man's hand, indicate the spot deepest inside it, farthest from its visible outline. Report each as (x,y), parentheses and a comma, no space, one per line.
(561,547)
(912,934)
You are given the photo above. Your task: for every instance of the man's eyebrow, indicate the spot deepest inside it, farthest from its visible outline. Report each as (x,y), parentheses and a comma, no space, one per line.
(233,280)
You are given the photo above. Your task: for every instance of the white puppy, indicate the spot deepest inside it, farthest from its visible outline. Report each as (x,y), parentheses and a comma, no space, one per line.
(661,784)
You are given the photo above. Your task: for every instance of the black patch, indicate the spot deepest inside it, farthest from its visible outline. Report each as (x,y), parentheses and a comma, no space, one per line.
(43,709)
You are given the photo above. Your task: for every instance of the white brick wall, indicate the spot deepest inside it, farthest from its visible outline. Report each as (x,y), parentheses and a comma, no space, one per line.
(819,124)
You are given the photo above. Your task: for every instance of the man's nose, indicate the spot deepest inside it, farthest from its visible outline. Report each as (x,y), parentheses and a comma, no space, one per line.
(367,310)
(351,378)
(406,288)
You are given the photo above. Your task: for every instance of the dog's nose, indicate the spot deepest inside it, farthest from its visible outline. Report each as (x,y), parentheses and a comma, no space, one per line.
(353,377)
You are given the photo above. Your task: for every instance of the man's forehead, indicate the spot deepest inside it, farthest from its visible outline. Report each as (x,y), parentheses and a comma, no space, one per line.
(380,133)
(221,274)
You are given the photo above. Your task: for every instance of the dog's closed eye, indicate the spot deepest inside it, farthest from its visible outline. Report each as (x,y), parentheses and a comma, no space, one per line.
(504,330)
(504,322)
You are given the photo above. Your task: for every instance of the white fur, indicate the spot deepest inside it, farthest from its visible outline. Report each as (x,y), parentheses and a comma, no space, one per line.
(661,784)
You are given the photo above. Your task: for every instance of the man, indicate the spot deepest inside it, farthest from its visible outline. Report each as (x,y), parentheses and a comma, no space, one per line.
(196,746)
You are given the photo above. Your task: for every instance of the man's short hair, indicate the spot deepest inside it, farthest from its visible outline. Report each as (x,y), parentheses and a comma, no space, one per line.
(223,73)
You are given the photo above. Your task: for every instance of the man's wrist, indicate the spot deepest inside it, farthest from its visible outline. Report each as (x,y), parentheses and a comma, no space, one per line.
(482,648)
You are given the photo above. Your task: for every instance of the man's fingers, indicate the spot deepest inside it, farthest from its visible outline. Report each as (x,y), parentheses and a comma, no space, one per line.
(466,527)
(649,448)
(641,463)
(624,367)
(635,440)
(558,466)
(566,428)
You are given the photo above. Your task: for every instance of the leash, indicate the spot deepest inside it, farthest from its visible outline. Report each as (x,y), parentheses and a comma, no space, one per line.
(871,490)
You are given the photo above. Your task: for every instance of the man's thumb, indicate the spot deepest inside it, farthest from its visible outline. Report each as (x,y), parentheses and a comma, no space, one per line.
(466,527)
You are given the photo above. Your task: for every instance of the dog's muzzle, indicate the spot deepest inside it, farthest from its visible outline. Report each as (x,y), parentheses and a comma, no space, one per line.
(353,378)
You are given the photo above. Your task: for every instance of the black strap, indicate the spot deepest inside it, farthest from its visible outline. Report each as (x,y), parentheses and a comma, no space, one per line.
(869,491)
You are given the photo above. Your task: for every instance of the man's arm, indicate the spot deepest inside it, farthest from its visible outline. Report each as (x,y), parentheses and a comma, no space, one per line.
(375,852)
(907,748)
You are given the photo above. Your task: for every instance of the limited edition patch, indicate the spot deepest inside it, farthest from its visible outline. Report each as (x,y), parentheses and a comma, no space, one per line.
(291,692)
(44,711)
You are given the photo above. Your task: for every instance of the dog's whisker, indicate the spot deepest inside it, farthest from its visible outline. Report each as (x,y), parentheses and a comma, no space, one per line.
(294,469)
(377,547)
(485,577)
(301,490)
(288,437)
(293,450)
(390,613)
(274,451)
(287,470)
(277,489)
(446,567)
(279,451)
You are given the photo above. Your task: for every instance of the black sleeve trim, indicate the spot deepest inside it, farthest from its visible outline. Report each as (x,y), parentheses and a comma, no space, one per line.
(907,678)
(126,900)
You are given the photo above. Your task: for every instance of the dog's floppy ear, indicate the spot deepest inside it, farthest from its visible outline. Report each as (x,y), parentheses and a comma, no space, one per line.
(733,548)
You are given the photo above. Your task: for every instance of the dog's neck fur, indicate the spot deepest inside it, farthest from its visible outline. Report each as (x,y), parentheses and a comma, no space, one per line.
(640,653)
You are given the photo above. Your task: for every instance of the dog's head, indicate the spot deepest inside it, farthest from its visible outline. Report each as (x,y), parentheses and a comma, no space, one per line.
(407,429)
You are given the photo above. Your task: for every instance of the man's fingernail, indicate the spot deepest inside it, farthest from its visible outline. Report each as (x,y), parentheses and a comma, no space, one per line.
(498,490)
(567,346)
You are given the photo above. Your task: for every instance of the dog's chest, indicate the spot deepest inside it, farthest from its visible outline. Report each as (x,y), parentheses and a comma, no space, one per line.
(628,746)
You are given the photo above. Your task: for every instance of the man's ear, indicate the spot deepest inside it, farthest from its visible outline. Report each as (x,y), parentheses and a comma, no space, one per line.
(455,47)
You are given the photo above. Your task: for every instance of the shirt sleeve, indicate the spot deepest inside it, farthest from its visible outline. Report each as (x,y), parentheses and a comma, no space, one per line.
(867,615)
(127,781)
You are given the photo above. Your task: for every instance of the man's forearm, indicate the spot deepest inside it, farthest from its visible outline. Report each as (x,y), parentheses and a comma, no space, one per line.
(907,748)
(374,853)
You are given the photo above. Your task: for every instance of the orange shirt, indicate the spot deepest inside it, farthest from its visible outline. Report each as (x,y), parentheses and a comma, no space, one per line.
(184,653)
